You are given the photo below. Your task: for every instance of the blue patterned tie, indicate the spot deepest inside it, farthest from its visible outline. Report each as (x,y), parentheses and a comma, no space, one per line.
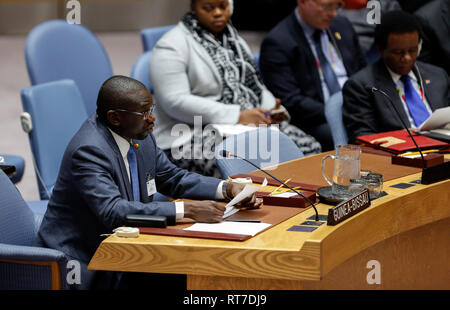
(415,104)
(132,162)
(328,73)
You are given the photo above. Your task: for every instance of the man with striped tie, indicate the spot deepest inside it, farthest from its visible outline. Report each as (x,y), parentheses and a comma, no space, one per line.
(111,168)
(415,88)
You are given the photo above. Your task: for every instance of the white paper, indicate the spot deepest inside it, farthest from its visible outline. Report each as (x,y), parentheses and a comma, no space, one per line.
(285,195)
(414,156)
(248,190)
(240,228)
(438,119)
(441,131)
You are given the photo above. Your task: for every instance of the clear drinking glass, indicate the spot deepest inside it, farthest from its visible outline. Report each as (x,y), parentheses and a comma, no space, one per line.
(346,167)
(357,186)
(374,183)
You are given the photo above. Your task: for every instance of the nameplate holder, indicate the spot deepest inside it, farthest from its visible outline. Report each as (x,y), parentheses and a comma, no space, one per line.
(348,208)
(432,159)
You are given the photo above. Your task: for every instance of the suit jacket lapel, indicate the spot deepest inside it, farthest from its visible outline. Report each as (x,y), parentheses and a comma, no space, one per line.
(428,91)
(305,48)
(340,45)
(118,156)
(385,83)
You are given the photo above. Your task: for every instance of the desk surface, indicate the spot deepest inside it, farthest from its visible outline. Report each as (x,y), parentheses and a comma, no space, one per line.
(280,254)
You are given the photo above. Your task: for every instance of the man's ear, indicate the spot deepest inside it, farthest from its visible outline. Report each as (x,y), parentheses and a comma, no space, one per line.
(113,118)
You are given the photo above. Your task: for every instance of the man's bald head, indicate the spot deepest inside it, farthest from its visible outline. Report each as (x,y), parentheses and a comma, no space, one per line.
(117,92)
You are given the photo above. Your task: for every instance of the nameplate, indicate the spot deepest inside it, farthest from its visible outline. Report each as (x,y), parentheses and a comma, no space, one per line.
(348,208)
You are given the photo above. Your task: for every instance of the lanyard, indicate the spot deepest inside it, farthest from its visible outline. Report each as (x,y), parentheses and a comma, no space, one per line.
(333,66)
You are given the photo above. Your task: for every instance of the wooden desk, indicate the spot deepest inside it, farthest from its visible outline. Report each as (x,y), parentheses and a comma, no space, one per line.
(407,232)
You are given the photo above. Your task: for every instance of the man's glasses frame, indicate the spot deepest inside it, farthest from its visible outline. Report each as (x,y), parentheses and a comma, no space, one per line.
(144,115)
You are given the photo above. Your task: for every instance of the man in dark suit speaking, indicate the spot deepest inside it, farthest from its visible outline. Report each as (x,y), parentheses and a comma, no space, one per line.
(416,88)
(306,59)
(111,168)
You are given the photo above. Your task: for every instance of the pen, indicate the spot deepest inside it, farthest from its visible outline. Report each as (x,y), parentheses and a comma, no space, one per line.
(284,190)
(276,189)
(418,153)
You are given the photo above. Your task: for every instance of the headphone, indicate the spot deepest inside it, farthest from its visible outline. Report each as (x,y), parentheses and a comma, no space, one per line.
(419,47)
(27,126)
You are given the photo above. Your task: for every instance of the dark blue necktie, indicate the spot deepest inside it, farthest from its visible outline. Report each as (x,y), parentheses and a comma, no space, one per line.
(415,104)
(328,73)
(132,162)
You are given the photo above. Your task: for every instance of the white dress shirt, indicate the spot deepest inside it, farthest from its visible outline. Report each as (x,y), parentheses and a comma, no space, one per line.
(124,147)
(401,90)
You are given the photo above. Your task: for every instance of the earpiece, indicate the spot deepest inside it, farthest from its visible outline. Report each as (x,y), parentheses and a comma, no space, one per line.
(419,48)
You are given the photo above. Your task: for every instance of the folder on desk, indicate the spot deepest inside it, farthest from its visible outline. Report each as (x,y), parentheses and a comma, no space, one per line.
(398,141)
(287,199)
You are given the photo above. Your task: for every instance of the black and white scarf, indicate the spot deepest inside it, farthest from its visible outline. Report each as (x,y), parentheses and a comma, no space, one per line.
(240,78)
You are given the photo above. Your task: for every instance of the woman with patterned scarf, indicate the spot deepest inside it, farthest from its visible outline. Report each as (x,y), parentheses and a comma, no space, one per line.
(203,68)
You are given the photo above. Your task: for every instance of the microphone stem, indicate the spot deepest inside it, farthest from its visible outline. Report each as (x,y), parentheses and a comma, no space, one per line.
(306,198)
(403,123)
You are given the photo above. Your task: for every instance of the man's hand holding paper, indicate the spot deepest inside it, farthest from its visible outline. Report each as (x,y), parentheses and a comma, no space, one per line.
(247,203)
(244,198)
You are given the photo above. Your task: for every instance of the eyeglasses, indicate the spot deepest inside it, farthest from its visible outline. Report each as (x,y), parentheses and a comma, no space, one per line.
(144,115)
(330,7)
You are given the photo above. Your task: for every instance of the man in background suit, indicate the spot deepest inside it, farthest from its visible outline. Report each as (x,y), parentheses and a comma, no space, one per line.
(111,168)
(415,88)
(307,58)
(435,20)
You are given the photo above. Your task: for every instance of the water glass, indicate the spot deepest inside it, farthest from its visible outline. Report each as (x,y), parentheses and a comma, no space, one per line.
(357,185)
(374,183)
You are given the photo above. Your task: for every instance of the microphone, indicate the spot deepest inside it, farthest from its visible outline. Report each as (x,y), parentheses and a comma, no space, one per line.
(225,153)
(374,90)
(429,174)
